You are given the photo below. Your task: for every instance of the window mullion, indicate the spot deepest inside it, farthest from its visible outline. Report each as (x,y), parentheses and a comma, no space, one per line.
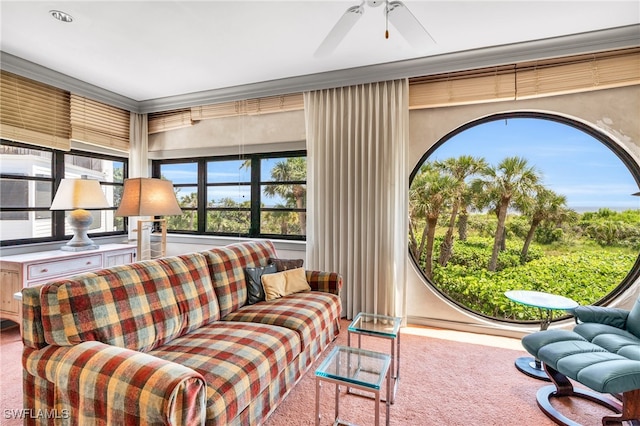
(202,211)
(255,230)
(57,168)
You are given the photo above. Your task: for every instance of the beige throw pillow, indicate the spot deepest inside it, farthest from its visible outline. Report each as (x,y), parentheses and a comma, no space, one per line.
(284,283)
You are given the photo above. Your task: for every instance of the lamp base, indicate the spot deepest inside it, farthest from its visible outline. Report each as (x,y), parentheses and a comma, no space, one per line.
(79,220)
(80,248)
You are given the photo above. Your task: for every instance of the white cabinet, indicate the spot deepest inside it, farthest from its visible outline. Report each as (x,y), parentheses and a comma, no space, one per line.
(26,270)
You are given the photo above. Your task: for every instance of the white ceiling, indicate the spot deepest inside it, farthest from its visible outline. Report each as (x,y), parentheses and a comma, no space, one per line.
(146,50)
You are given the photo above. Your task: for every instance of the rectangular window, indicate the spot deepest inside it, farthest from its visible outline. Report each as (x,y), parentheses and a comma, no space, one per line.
(184,176)
(283,192)
(253,196)
(229,196)
(27,181)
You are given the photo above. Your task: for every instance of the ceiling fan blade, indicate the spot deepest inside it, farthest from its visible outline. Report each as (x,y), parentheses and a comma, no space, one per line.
(340,30)
(407,25)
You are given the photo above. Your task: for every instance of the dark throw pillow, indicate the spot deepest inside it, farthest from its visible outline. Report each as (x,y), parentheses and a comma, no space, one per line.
(255,291)
(286,264)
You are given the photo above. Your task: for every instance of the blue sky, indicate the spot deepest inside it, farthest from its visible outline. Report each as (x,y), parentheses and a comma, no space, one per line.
(221,172)
(570,161)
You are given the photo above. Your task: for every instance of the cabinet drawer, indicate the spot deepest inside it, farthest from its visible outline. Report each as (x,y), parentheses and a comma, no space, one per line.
(52,269)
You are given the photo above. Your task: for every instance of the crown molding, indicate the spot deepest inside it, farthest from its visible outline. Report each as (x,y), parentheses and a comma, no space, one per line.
(595,41)
(28,69)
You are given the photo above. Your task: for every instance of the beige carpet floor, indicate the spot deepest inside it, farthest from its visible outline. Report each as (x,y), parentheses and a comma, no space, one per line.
(447,378)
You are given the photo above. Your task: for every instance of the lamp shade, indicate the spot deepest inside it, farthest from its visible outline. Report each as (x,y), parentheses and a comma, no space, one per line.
(79,194)
(148,197)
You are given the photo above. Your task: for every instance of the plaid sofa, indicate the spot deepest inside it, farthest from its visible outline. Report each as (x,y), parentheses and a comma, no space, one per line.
(171,341)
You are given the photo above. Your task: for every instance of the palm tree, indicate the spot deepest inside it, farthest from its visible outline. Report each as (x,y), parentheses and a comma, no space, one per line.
(509,180)
(291,170)
(460,169)
(429,193)
(188,218)
(545,205)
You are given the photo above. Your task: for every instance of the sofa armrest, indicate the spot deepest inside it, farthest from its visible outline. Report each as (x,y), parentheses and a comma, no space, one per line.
(104,383)
(329,282)
(602,315)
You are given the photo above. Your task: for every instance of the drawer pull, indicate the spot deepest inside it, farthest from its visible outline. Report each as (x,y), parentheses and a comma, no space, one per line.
(89,262)
(44,270)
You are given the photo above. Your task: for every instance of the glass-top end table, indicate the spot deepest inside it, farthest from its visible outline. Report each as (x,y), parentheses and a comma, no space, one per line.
(546,303)
(385,327)
(379,325)
(359,368)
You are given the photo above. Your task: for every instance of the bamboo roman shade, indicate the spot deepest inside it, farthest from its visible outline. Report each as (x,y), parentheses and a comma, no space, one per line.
(528,80)
(271,104)
(170,120)
(99,124)
(33,112)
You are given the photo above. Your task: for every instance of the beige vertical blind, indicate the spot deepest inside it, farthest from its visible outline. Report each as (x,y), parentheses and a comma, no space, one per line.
(33,112)
(359,229)
(528,80)
(99,124)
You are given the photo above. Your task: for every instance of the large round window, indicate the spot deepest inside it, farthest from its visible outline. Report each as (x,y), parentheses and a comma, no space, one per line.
(525,202)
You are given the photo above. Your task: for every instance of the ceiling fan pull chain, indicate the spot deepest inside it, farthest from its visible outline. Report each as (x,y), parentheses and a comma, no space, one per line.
(386,20)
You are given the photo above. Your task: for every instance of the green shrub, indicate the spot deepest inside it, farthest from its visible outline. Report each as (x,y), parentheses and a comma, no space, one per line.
(584,277)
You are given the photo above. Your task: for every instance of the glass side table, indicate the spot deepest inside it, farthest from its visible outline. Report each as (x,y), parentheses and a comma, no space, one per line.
(546,304)
(384,327)
(362,369)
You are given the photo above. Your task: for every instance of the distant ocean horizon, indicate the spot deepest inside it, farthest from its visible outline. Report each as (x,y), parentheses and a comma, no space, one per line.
(578,209)
(585,209)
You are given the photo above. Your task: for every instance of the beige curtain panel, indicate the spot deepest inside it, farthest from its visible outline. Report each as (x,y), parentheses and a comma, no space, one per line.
(357,144)
(138,159)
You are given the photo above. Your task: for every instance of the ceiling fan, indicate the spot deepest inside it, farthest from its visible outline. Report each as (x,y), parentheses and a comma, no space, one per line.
(395,11)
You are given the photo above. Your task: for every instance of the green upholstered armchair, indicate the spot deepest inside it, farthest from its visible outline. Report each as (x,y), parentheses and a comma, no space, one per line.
(602,352)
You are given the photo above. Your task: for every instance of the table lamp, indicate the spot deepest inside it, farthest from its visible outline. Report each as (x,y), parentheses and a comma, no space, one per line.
(148,197)
(78,195)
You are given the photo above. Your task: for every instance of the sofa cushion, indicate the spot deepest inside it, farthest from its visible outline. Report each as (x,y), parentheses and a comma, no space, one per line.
(306,313)
(237,360)
(534,342)
(612,376)
(226,265)
(286,264)
(554,352)
(284,283)
(255,290)
(630,352)
(591,330)
(614,343)
(138,306)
